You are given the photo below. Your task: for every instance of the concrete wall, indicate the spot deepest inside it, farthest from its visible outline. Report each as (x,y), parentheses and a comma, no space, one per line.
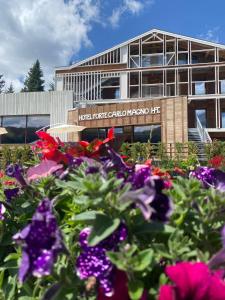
(56,104)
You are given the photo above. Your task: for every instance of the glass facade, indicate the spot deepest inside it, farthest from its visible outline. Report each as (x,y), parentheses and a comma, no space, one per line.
(21,129)
(150,133)
(129,134)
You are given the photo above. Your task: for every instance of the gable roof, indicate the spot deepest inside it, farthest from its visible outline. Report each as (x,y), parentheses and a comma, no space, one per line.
(200,41)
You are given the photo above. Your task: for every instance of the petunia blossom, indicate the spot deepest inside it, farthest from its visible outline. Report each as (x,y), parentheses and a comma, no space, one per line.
(93,261)
(41,242)
(44,169)
(16,171)
(192,281)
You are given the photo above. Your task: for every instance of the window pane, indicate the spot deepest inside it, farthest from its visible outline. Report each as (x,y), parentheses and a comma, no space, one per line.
(152,91)
(89,134)
(134,78)
(222,87)
(101,133)
(170,89)
(201,115)
(114,81)
(152,77)
(134,62)
(223,119)
(35,123)
(203,57)
(134,49)
(134,92)
(110,93)
(145,133)
(182,59)
(16,130)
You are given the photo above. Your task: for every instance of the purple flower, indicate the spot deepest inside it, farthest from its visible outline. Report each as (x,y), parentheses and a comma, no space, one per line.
(204,174)
(210,177)
(92,170)
(151,200)
(41,242)
(114,162)
(93,262)
(16,171)
(11,193)
(140,177)
(2,211)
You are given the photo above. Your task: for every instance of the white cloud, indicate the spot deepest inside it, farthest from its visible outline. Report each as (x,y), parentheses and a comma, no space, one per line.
(131,6)
(212,35)
(50,30)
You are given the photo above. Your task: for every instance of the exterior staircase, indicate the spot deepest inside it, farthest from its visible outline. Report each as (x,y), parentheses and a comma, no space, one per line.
(194,136)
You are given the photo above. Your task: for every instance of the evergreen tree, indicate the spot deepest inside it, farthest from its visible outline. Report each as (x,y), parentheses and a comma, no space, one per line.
(2,83)
(34,81)
(51,86)
(10,90)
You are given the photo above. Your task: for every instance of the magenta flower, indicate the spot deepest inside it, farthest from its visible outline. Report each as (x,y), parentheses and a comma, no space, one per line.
(44,169)
(192,281)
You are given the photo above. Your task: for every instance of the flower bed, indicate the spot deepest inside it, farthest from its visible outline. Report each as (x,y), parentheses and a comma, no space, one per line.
(85,223)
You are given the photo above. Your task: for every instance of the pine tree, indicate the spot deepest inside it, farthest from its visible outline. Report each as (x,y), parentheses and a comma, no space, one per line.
(2,83)
(34,81)
(10,90)
(51,86)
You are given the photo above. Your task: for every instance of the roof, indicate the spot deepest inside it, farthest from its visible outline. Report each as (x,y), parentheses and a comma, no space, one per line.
(139,37)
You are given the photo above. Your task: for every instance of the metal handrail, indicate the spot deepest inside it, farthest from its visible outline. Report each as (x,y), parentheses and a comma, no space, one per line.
(205,137)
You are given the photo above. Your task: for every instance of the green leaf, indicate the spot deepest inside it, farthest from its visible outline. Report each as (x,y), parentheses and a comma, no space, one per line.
(12,256)
(154,227)
(117,259)
(86,216)
(135,289)
(103,226)
(142,260)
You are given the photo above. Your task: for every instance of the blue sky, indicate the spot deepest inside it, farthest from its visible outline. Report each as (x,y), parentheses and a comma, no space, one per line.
(195,18)
(60,31)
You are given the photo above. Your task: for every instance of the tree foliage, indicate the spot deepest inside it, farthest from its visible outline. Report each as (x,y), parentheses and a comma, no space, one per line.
(34,81)
(2,83)
(10,89)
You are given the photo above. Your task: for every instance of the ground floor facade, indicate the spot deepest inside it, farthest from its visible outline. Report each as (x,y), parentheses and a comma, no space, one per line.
(161,120)
(167,120)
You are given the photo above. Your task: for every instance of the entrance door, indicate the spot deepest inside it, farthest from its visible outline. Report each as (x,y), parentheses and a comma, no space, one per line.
(201,114)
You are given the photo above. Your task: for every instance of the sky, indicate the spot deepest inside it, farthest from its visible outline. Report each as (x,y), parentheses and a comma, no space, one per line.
(59,32)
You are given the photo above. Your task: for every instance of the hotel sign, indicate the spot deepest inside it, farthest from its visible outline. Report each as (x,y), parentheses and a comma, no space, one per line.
(121,113)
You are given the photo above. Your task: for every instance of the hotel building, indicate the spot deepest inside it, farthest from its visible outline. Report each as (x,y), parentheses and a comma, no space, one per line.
(159,86)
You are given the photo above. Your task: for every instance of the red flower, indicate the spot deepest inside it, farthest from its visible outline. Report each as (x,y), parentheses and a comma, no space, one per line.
(9,182)
(192,281)
(50,147)
(2,174)
(217,161)
(92,149)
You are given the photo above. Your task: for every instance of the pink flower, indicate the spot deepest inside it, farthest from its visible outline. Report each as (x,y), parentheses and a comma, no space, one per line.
(192,281)
(44,169)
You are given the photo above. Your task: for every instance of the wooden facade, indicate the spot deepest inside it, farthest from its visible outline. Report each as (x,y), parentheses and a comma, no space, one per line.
(171,115)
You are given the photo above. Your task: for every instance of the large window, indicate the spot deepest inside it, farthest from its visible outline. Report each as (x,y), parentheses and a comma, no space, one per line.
(21,129)
(150,133)
(110,88)
(35,123)
(16,128)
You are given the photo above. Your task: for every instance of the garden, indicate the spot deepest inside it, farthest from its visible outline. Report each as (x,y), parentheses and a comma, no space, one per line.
(102,221)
